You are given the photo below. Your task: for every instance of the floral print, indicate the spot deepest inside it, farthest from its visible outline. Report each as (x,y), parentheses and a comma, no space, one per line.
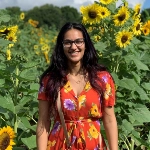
(82,100)
(94,111)
(67,88)
(50,144)
(88,86)
(69,105)
(93,133)
(56,127)
(81,115)
(107,91)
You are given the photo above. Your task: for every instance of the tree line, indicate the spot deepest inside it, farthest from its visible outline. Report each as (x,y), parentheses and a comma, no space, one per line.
(49,15)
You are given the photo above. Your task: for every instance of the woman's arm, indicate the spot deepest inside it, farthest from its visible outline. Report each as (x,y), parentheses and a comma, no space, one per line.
(110,125)
(43,125)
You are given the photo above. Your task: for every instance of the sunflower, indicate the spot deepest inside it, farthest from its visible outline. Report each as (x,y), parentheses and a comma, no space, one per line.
(6,138)
(106,2)
(10,45)
(22,16)
(34,23)
(13,29)
(104,12)
(137,26)
(36,47)
(45,47)
(8,54)
(97,38)
(91,14)
(147,24)
(3,30)
(122,16)
(46,57)
(126,4)
(145,30)
(137,9)
(11,37)
(123,38)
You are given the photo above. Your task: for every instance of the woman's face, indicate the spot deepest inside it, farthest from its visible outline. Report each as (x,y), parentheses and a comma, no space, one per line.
(73,45)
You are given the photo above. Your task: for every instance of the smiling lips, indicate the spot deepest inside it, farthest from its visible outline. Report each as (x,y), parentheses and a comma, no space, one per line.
(74,53)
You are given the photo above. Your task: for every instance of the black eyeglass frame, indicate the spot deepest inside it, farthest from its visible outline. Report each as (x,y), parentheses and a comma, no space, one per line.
(71,42)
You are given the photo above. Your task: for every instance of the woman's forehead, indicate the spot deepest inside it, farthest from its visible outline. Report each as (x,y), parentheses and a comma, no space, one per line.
(73,33)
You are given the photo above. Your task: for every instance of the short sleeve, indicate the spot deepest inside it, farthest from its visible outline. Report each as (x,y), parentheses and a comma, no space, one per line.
(42,89)
(108,88)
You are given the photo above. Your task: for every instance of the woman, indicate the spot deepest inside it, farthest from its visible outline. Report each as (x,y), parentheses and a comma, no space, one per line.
(87,94)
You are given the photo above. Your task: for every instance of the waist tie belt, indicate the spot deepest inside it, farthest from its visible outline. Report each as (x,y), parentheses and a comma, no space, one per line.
(76,133)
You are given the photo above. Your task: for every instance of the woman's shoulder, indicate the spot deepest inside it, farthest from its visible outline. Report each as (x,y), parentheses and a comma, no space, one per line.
(105,77)
(103,73)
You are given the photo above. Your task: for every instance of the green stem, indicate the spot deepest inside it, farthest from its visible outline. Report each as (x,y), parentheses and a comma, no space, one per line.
(32,119)
(16,86)
(15,124)
(132,144)
(117,68)
(2,118)
(25,131)
(15,100)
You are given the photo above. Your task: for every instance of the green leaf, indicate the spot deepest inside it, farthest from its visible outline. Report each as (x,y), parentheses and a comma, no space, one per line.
(4,18)
(146,86)
(2,81)
(128,84)
(4,43)
(141,114)
(127,127)
(137,77)
(34,86)
(140,65)
(30,142)
(26,123)
(142,93)
(100,46)
(6,102)
(136,41)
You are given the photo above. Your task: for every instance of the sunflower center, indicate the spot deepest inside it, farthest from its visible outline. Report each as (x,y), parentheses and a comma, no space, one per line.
(138,27)
(92,14)
(4,141)
(124,39)
(121,17)
(10,38)
(103,13)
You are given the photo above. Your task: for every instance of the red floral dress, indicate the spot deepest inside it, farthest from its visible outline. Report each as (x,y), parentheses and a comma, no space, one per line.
(81,115)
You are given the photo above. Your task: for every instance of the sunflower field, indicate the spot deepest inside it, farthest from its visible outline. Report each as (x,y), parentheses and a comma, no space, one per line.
(24,55)
(122,42)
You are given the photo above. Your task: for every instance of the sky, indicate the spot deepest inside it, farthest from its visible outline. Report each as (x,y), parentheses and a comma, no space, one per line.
(29,4)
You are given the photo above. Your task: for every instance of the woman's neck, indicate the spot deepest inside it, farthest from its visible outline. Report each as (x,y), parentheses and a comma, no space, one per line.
(75,69)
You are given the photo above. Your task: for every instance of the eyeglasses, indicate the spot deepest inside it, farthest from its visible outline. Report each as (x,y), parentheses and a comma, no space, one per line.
(77,42)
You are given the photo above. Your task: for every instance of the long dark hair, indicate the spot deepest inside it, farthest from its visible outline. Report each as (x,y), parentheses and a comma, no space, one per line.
(57,71)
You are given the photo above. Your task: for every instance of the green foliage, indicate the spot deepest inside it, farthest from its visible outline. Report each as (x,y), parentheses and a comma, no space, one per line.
(51,15)
(130,68)
(19,78)
(13,10)
(145,14)
(70,14)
